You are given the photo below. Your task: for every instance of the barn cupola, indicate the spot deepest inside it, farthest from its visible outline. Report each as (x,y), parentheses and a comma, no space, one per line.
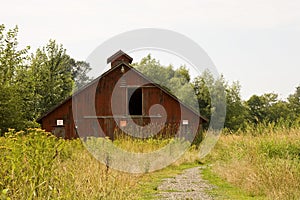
(119,57)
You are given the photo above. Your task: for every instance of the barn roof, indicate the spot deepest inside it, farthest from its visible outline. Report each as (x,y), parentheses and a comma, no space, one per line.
(120,53)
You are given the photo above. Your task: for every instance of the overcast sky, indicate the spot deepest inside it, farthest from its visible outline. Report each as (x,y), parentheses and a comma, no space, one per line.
(256,42)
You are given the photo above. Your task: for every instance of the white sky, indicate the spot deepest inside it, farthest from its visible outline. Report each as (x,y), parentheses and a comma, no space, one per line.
(256,42)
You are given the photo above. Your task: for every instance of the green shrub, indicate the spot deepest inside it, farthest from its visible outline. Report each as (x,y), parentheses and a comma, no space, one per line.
(27,163)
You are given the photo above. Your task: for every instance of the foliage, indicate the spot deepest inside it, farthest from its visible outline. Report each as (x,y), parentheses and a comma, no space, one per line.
(175,81)
(27,160)
(205,93)
(268,108)
(213,93)
(51,76)
(31,85)
(12,63)
(203,85)
(11,59)
(79,73)
(294,103)
(236,112)
(259,106)
(10,108)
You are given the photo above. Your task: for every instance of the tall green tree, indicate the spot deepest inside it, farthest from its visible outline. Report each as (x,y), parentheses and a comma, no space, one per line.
(294,103)
(211,98)
(202,86)
(12,65)
(236,112)
(215,95)
(12,59)
(50,77)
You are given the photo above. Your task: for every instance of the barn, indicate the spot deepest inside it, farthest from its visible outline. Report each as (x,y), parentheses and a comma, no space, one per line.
(120,98)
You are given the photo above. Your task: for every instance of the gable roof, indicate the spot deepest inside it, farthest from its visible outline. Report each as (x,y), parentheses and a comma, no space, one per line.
(106,73)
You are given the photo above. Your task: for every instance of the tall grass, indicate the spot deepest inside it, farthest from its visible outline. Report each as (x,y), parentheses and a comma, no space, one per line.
(263,160)
(36,165)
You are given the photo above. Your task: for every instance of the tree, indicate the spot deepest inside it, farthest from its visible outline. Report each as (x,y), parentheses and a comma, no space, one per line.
(176,81)
(183,73)
(50,77)
(202,85)
(236,112)
(79,73)
(11,59)
(184,91)
(211,98)
(11,115)
(155,71)
(280,111)
(12,65)
(294,103)
(266,108)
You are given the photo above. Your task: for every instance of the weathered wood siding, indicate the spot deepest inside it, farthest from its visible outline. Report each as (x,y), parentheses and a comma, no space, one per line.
(94,104)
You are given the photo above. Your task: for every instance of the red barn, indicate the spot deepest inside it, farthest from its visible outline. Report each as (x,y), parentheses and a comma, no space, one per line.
(121,97)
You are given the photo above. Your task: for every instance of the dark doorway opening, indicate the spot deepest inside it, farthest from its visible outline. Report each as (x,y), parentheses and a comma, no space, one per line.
(135,101)
(59,131)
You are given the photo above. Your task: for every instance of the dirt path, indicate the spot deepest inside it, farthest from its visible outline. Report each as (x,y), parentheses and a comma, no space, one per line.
(188,185)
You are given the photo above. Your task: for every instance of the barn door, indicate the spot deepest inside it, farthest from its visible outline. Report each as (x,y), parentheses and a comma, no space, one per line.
(59,131)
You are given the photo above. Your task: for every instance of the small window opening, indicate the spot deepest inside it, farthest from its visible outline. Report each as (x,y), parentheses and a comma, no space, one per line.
(135,101)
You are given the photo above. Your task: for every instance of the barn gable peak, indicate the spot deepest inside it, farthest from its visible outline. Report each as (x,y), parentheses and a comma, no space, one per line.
(118,58)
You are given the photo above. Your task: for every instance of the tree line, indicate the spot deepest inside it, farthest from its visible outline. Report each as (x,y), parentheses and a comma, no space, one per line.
(32,83)
(199,92)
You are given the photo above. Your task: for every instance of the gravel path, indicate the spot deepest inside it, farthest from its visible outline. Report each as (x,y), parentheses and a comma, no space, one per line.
(188,185)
